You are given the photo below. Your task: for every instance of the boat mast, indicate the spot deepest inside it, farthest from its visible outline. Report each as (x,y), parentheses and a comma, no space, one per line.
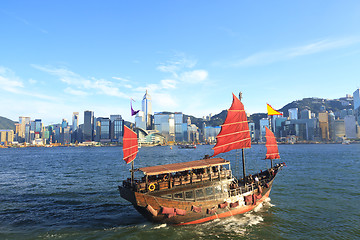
(243,152)
(132,173)
(270,127)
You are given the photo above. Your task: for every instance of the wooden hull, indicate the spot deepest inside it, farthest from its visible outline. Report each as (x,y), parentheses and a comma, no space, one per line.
(210,209)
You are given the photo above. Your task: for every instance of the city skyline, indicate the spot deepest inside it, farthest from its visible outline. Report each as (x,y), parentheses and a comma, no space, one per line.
(190,56)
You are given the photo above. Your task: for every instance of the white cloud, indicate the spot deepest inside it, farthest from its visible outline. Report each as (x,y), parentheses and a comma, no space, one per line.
(195,76)
(9,81)
(179,68)
(263,58)
(164,101)
(168,83)
(75,92)
(179,63)
(121,79)
(84,85)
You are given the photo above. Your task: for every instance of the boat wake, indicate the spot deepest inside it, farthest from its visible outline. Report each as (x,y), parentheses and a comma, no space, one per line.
(160,226)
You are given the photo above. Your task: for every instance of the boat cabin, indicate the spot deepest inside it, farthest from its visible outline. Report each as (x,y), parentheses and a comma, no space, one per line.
(165,177)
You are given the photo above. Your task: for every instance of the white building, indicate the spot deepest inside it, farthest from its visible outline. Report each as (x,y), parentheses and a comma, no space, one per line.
(147,109)
(293,113)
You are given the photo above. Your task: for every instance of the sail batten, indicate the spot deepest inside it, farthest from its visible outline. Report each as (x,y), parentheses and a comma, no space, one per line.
(234,133)
(271,145)
(130,145)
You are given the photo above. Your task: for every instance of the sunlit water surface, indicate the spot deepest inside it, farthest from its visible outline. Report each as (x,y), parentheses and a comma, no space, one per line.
(71,193)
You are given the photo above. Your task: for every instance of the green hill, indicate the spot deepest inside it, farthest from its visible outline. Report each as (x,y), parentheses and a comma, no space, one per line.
(6,124)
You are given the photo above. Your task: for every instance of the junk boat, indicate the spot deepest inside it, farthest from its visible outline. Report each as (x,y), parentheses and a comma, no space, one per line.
(199,191)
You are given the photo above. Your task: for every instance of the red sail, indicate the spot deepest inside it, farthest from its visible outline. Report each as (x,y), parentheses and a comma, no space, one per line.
(130,145)
(234,132)
(271,145)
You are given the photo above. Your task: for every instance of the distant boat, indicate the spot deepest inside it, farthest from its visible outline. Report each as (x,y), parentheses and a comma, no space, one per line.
(187,146)
(198,191)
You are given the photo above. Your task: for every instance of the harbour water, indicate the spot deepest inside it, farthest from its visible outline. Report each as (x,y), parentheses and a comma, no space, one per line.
(71,193)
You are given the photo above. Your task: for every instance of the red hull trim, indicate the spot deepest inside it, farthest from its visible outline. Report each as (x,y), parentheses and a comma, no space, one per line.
(230,213)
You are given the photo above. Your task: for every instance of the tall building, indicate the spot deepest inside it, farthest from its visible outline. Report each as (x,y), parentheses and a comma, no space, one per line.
(102,129)
(293,113)
(88,132)
(179,135)
(38,128)
(165,124)
(117,128)
(264,122)
(140,120)
(305,114)
(356,97)
(22,121)
(147,109)
(350,127)
(324,125)
(75,121)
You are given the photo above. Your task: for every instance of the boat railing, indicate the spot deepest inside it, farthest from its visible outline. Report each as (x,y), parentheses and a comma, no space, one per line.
(174,181)
(248,187)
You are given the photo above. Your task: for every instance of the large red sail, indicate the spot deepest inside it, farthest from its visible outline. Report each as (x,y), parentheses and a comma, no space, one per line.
(271,145)
(130,145)
(234,132)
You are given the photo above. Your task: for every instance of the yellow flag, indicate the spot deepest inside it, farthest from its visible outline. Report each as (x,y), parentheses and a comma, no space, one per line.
(271,111)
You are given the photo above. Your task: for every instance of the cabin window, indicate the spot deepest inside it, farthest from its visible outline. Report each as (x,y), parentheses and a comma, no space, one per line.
(199,193)
(189,195)
(179,195)
(225,188)
(217,189)
(167,196)
(209,191)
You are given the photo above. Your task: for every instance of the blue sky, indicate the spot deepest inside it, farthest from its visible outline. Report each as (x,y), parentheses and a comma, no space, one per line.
(59,57)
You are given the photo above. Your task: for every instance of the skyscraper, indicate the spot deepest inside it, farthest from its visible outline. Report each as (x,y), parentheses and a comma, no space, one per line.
(88,126)
(147,109)
(116,130)
(75,121)
(356,97)
(23,121)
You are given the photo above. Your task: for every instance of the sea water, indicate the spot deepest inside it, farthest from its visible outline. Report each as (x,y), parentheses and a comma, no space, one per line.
(71,193)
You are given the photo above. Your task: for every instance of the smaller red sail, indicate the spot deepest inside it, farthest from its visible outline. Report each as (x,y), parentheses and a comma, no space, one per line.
(130,145)
(271,145)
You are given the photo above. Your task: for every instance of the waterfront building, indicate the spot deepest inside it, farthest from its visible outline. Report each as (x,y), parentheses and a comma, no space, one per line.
(324,125)
(147,109)
(332,126)
(293,113)
(64,123)
(116,128)
(140,120)
(178,119)
(279,126)
(339,129)
(211,133)
(75,121)
(21,134)
(6,137)
(164,123)
(65,136)
(193,133)
(264,122)
(350,127)
(252,131)
(305,114)
(356,97)
(102,130)
(88,131)
(301,129)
